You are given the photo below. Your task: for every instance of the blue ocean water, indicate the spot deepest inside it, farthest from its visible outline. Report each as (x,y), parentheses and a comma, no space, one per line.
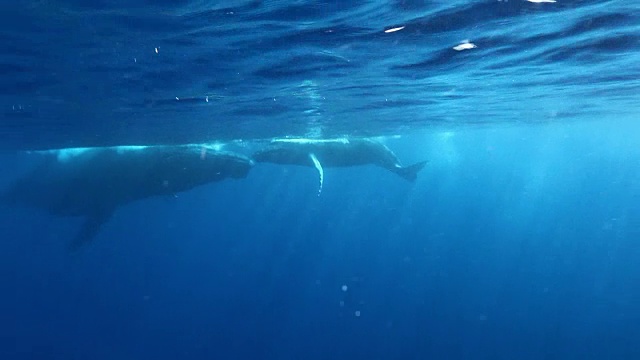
(518,240)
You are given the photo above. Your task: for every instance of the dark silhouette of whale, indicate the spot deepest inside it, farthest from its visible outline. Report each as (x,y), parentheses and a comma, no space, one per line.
(94,182)
(335,153)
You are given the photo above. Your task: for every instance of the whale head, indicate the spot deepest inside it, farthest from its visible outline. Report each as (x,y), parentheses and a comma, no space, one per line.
(271,154)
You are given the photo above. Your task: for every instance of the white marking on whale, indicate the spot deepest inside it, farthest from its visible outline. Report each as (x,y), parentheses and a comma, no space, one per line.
(318,166)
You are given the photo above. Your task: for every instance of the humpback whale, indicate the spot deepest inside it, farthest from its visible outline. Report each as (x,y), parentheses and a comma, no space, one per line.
(341,152)
(94,182)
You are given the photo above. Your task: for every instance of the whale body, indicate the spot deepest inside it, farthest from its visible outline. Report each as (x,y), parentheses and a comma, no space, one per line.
(343,152)
(94,182)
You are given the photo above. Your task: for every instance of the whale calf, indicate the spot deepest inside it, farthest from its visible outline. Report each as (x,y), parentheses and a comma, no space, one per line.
(343,152)
(94,182)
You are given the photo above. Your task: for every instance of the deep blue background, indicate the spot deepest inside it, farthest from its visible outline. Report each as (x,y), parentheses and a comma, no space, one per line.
(519,240)
(515,242)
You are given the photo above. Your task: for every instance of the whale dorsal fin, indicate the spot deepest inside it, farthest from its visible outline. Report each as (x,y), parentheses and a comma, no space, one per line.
(318,166)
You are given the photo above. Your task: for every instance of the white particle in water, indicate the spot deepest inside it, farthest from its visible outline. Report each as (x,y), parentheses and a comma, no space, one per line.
(465,46)
(394,29)
(344,288)
(357,313)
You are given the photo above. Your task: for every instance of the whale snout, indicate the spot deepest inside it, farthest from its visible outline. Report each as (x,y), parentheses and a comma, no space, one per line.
(265,155)
(281,156)
(271,156)
(241,170)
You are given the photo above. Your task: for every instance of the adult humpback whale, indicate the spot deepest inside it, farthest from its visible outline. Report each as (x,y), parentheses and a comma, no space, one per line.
(94,182)
(335,153)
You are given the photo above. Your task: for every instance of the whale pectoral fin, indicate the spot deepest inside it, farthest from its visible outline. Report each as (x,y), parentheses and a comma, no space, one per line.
(410,172)
(90,228)
(318,167)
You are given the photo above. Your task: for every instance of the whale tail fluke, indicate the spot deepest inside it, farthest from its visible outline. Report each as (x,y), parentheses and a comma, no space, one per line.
(410,173)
